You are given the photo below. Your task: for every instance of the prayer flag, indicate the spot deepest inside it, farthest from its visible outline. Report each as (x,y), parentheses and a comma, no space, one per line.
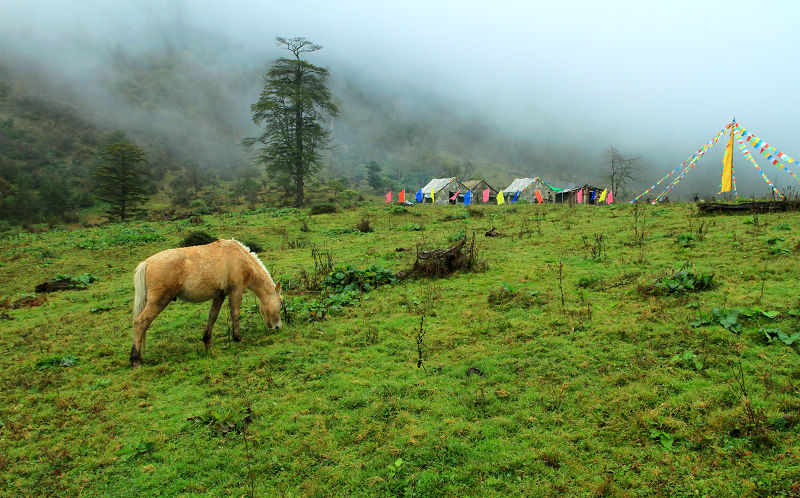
(401,197)
(388,197)
(594,193)
(467,197)
(455,196)
(610,197)
(516,194)
(727,167)
(486,196)
(603,195)
(500,199)
(432,199)
(419,195)
(538,196)
(580,196)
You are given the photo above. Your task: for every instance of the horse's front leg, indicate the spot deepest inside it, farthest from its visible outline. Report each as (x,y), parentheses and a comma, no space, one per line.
(216,304)
(235,305)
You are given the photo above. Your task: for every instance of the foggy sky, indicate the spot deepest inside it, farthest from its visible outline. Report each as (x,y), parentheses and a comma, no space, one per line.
(654,78)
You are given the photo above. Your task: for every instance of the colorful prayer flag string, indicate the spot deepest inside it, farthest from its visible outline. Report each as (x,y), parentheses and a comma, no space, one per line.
(692,163)
(763,147)
(691,159)
(747,154)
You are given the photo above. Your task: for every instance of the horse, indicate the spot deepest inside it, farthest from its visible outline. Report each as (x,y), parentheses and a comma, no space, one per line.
(201,273)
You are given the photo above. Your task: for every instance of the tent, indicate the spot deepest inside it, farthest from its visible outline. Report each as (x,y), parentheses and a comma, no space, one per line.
(477,187)
(570,194)
(742,137)
(443,189)
(527,188)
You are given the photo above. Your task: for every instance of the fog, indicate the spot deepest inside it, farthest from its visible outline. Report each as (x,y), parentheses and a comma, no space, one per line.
(555,81)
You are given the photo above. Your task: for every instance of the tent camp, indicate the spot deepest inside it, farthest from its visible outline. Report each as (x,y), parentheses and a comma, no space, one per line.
(476,187)
(443,189)
(527,188)
(570,194)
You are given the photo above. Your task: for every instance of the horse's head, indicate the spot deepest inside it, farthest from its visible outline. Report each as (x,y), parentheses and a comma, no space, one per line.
(271,308)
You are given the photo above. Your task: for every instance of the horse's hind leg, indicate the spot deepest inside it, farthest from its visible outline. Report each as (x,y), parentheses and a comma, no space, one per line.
(235,305)
(151,310)
(216,304)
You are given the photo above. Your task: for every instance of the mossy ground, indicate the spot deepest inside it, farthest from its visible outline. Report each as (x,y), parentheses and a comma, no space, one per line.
(579,398)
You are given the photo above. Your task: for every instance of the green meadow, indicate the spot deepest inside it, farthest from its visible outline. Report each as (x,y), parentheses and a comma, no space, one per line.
(590,351)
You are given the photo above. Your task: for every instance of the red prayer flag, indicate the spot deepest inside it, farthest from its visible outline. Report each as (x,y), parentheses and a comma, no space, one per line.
(486,196)
(610,197)
(580,196)
(455,195)
(388,197)
(402,196)
(538,196)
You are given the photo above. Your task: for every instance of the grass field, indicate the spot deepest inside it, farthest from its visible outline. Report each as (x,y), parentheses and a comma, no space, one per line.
(558,368)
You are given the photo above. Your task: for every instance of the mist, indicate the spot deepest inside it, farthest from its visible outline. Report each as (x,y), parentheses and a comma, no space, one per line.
(512,88)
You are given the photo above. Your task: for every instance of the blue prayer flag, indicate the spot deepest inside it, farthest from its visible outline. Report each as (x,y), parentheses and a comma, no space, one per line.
(419,195)
(594,192)
(467,197)
(515,196)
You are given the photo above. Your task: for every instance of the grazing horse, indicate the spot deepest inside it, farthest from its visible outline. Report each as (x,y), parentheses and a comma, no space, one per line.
(197,274)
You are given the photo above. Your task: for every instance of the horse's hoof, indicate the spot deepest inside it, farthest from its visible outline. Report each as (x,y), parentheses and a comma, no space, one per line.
(136,365)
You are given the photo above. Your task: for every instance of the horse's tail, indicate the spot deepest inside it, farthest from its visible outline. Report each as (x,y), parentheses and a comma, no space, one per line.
(140,288)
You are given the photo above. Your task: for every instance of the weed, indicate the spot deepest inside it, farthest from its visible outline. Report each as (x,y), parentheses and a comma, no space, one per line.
(397,209)
(57,361)
(505,295)
(686,240)
(134,237)
(683,281)
(197,239)
(349,278)
(134,450)
(455,237)
(413,227)
(454,217)
(688,359)
(363,225)
(222,420)
(322,208)
(666,439)
(594,246)
(727,318)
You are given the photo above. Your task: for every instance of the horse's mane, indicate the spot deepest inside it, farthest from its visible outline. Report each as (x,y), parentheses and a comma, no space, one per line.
(255,256)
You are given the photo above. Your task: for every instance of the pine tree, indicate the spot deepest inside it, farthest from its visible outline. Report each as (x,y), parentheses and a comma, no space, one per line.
(294,101)
(121,179)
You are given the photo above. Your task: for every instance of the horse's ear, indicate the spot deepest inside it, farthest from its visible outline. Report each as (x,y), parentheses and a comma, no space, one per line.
(278,288)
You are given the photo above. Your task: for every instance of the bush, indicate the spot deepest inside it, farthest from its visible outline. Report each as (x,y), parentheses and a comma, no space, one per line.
(363,225)
(507,296)
(683,281)
(322,208)
(253,246)
(197,239)
(134,237)
(350,278)
(397,210)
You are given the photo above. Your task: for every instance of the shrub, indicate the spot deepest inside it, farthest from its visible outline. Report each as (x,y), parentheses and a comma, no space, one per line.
(133,237)
(322,208)
(505,295)
(253,246)
(363,225)
(397,210)
(683,281)
(350,278)
(197,239)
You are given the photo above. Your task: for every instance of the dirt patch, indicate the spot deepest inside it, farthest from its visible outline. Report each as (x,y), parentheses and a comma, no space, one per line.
(24,302)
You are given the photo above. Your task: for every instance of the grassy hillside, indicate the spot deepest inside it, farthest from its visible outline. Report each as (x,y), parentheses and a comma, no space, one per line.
(558,369)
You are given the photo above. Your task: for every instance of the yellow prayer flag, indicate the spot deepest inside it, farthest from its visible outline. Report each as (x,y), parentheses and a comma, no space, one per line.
(603,195)
(432,199)
(727,167)
(500,199)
